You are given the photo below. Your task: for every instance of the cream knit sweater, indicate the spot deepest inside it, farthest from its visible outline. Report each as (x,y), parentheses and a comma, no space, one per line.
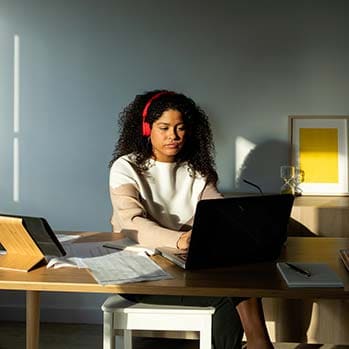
(156,206)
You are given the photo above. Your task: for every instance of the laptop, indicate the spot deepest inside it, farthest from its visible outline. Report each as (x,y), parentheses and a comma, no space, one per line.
(235,230)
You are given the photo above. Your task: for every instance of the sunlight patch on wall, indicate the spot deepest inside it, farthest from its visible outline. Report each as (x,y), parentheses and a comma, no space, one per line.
(242,148)
(16,83)
(15,169)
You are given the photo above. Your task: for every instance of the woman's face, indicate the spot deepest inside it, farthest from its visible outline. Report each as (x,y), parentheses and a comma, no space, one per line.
(167,135)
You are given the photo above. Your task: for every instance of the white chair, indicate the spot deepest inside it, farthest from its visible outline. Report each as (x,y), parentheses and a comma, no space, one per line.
(125,316)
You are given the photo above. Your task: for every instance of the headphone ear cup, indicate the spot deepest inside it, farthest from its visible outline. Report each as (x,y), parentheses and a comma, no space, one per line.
(146,129)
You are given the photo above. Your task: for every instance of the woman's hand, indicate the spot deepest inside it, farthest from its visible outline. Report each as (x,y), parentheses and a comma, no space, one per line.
(184,241)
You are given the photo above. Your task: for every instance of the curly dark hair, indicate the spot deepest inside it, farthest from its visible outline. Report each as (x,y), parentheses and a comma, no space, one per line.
(198,150)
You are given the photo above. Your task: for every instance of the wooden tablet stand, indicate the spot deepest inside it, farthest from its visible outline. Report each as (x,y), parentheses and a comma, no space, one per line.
(22,253)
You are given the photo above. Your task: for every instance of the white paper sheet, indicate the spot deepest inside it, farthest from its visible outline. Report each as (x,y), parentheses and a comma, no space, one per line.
(127,244)
(121,267)
(107,266)
(76,252)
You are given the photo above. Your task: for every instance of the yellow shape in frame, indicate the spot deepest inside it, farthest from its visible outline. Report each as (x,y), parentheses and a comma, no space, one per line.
(318,154)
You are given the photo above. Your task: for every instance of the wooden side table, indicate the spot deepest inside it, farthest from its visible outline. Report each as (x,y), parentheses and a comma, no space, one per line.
(320,321)
(322,215)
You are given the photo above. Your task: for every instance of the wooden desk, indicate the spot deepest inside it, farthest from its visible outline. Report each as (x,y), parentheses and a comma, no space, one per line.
(254,280)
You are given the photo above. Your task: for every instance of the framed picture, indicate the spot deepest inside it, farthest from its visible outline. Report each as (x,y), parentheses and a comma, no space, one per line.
(319,150)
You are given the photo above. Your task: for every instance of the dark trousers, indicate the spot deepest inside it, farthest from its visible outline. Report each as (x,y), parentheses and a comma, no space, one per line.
(227,330)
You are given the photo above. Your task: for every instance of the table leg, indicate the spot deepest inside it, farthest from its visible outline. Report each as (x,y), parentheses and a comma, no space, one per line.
(33,319)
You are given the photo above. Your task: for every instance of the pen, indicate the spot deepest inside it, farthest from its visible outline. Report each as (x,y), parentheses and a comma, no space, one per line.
(299,270)
(113,247)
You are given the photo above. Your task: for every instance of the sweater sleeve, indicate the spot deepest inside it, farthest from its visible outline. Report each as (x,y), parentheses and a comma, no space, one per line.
(211,192)
(131,219)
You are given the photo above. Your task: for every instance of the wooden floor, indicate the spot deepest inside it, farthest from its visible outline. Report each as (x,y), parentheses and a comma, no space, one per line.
(76,336)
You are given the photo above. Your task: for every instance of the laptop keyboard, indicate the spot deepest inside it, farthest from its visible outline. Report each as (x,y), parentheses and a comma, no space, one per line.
(182,256)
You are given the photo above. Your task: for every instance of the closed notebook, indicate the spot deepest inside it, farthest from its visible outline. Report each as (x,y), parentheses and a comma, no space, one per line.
(321,275)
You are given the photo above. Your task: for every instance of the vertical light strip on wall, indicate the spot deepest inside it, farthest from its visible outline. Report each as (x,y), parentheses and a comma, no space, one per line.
(15,169)
(16,85)
(16,113)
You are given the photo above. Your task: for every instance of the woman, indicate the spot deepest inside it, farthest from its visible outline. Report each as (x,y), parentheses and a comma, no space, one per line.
(162,166)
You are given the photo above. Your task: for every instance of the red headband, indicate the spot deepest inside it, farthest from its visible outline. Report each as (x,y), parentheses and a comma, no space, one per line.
(145,125)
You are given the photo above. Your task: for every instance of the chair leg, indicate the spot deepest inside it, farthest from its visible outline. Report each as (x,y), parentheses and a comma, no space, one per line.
(205,340)
(119,342)
(205,334)
(108,331)
(127,339)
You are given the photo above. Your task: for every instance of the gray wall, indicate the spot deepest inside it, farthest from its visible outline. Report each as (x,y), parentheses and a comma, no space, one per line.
(250,64)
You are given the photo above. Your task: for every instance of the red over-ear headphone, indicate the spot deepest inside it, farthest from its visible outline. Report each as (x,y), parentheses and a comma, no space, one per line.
(145,125)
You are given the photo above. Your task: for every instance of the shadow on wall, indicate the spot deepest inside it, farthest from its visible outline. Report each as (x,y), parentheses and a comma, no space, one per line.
(262,167)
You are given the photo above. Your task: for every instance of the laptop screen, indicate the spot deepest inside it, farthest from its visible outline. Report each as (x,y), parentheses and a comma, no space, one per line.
(239,230)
